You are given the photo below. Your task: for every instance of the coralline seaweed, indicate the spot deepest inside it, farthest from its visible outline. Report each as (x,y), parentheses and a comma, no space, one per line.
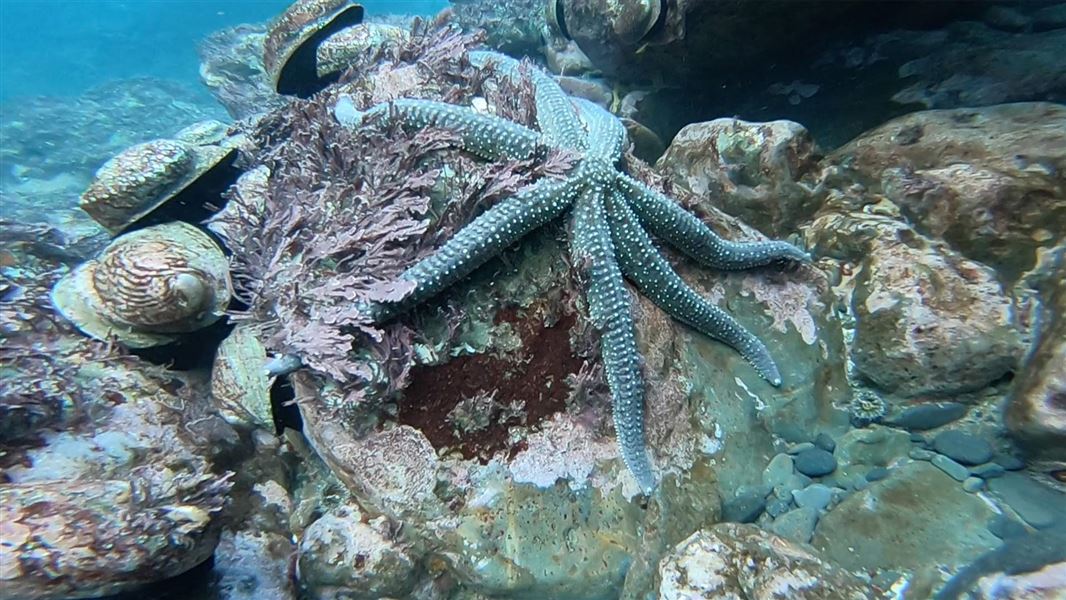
(330,216)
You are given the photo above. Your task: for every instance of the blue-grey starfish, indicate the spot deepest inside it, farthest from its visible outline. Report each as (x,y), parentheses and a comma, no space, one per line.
(609,242)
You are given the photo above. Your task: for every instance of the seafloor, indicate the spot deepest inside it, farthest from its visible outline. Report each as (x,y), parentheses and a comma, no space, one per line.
(298,342)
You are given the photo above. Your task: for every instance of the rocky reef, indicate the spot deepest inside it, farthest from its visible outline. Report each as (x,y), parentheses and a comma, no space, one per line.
(355,436)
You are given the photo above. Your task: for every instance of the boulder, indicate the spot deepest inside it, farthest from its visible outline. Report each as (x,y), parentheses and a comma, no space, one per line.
(900,523)
(758,172)
(929,321)
(989,181)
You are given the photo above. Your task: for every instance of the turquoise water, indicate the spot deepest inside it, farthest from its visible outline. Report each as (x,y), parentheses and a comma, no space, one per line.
(62,47)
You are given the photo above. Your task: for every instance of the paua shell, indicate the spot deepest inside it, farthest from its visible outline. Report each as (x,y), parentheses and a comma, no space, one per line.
(205,133)
(144,178)
(291,45)
(555,15)
(337,52)
(625,22)
(148,285)
(240,385)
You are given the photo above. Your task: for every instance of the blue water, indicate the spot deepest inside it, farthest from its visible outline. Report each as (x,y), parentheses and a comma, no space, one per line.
(63,47)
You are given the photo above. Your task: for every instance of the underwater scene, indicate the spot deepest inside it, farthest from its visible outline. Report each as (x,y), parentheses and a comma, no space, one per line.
(533,300)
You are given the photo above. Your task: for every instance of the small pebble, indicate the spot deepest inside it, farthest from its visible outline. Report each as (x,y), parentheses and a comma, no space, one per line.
(778,471)
(777,507)
(1010,462)
(918,438)
(800,447)
(796,481)
(963,447)
(952,468)
(876,474)
(973,484)
(1037,504)
(1006,18)
(825,442)
(796,525)
(839,494)
(815,462)
(988,471)
(928,416)
(920,454)
(816,496)
(744,509)
(888,579)
(761,490)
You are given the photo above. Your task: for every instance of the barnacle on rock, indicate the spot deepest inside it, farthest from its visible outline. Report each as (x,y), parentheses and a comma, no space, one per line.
(290,52)
(147,285)
(135,187)
(866,407)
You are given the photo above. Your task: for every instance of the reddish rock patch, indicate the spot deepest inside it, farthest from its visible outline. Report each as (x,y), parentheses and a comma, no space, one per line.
(535,375)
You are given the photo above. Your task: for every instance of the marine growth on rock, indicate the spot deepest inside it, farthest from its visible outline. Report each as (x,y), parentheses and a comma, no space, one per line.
(612,214)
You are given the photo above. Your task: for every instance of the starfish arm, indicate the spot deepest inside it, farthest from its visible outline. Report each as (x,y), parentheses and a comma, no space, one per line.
(486,236)
(652,274)
(488,136)
(556,116)
(687,233)
(606,134)
(610,312)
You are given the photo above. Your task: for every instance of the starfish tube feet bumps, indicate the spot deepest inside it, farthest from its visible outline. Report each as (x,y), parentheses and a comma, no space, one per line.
(645,267)
(593,251)
(666,219)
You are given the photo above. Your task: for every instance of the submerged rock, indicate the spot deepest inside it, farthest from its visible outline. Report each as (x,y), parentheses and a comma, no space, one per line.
(928,416)
(758,172)
(1044,584)
(128,491)
(873,447)
(1036,412)
(989,181)
(1038,505)
(927,320)
(679,42)
(971,64)
(65,539)
(815,462)
(899,523)
(509,501)
(742,561)
(965,448)
(231,66)
(345,553)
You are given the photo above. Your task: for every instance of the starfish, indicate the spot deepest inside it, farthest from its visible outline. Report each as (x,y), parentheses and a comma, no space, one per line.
(612,214)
